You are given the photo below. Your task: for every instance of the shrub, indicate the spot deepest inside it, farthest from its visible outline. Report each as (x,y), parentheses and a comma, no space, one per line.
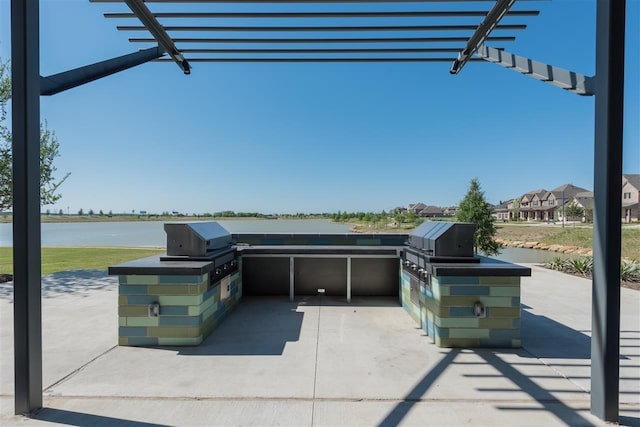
(629,270)
(582,266)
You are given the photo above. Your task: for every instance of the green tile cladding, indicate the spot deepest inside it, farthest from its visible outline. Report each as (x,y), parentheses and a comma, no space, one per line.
(190,309)
(446,310)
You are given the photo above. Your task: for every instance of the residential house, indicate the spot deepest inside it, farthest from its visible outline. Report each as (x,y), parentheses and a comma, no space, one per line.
(530,206)
(451,211)
(431,212)
(543,205)
(501,212)
(416,208)
(583,200)
(630,197)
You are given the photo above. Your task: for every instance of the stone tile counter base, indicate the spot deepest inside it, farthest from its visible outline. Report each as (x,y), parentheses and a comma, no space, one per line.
(190,308)
(445,310)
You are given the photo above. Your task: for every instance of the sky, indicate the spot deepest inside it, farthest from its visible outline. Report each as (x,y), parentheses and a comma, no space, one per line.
(287,138)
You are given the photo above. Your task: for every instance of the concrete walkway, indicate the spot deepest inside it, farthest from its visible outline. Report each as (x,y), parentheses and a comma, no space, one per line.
(320,362)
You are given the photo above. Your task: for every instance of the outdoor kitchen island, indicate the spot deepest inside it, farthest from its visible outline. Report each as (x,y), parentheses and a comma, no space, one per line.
(458,299)
(179,298)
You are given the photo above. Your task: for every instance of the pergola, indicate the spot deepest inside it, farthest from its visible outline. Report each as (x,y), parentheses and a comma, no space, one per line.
(449,42)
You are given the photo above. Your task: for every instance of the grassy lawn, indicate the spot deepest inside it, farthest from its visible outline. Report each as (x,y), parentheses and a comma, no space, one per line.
(62,259)
(569,236)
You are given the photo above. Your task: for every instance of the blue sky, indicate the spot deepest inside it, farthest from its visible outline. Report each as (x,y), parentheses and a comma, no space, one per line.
(320,137)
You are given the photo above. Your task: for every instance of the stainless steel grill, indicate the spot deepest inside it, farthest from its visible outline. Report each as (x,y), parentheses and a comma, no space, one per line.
(444,239)
(436,242)
(196,239)
(202,241)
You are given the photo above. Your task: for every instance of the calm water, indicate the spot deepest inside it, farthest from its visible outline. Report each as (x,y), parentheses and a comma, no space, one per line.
(152,234)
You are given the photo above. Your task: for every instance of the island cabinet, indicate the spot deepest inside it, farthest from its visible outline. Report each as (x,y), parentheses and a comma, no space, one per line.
(172,302)
(465,305)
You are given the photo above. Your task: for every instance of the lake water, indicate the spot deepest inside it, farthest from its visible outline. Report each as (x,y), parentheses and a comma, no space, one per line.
(151,234)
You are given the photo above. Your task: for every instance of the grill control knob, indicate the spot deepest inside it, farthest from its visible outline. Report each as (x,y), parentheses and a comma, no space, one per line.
(413,267)
(225,267)
(218,271)
(233,263)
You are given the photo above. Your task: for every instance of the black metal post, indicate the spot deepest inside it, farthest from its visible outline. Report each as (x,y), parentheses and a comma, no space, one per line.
(25,75)
(605,338)
(57,83)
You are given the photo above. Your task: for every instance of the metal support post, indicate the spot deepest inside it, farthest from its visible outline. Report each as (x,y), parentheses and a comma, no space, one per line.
(27,298)
(292,274)
(349,279)
(56,83)
(605,334)
(556,76)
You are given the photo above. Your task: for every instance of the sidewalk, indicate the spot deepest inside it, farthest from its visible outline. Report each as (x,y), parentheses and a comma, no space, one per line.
(318,361)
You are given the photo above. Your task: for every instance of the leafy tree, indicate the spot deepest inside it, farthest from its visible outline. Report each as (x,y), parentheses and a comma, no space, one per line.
(49,150)
(573,210)
(516,209)
(588,215)
(80,212)
(60,212)
(101,213)
(474,208)
(91,212)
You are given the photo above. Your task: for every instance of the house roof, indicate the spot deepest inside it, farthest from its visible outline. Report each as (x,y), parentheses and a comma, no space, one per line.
(533,192)
(503,206)
(431,210)
(567,190)
(585,199)
(633,179)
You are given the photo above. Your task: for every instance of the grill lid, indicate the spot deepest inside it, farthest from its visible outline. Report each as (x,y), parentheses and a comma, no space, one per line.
(444,239)
(196,239)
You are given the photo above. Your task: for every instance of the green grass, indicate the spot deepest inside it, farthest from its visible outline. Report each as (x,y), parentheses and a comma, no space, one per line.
(569,236)
(63,259)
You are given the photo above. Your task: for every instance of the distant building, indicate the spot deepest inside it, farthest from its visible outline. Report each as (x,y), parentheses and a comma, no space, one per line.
(427,211)
(501,211)
(630,198)
(417,208)
(451,211)
(431,212)
(543,205)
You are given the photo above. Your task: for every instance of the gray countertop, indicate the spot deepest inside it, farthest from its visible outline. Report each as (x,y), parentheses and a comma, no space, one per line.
(153,265)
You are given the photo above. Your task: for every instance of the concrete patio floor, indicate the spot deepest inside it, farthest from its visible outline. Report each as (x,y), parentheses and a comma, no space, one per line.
(320,362)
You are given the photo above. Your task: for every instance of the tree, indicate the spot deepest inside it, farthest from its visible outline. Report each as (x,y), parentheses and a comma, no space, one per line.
(516,209)
(80,212)
(573,210)
(588,215)
(49,150)
(475,209)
